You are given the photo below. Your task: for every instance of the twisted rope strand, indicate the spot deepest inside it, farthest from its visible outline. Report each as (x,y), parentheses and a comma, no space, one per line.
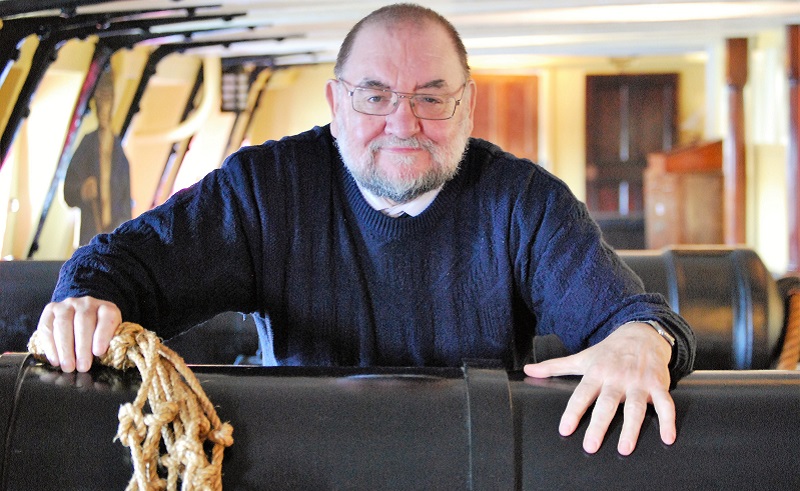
(181,416)
(790,352)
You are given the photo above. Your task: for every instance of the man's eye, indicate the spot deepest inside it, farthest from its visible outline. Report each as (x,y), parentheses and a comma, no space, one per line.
(430,100)
(374,97)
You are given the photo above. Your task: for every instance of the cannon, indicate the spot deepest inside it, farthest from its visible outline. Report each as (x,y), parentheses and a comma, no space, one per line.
(726,294)
(471,427)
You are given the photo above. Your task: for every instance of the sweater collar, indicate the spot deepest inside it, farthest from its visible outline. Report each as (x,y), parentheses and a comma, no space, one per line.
(393,209)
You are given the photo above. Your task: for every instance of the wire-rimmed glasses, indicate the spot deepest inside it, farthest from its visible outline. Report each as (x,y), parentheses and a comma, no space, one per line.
(383,102)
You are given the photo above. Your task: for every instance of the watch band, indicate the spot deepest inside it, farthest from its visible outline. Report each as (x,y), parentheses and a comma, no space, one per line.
(660,330)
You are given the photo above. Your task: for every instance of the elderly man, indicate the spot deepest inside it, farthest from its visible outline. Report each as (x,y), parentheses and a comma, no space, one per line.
(388,237)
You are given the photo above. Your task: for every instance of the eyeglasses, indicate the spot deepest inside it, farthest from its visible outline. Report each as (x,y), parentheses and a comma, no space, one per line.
(383,102)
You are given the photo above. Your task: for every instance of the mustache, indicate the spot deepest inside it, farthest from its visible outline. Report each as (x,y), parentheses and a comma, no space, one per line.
(392,141)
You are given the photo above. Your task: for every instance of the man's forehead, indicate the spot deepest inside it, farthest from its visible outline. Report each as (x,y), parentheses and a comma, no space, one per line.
(416,56)
(377,83)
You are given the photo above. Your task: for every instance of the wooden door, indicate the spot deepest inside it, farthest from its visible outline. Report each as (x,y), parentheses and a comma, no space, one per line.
(506,113)
(627,117)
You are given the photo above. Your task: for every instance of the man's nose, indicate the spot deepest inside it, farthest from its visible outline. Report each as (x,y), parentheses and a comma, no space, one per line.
(402,122)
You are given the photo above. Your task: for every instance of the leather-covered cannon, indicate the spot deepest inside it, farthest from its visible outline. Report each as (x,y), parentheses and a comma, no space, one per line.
(473,427)
(726,294)
(728,297)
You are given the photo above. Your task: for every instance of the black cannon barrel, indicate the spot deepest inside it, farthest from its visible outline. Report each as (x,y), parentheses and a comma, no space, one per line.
(728,297)
(434,428)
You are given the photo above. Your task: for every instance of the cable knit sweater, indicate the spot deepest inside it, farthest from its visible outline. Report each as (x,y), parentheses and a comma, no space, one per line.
(281,230)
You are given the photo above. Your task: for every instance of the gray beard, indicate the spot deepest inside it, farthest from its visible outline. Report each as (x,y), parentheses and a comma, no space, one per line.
(362,167)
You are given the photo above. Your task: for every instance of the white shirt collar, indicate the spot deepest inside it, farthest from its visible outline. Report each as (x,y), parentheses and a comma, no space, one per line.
(392,209)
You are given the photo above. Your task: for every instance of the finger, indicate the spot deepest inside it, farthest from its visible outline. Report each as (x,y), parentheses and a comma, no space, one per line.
(63,335)
(45,336)
(605,408)
(568,365)
(109,318)
(665,409)
(85,323)
(634,412)
(582,397)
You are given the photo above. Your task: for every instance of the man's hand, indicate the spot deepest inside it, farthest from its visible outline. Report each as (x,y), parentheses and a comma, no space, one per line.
(75,330)
(630,366)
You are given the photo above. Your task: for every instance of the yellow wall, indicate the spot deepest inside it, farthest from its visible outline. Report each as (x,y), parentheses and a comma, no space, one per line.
(16,77)
(767,133)
(568,160)
(161,108)
(769,198)
(293,101)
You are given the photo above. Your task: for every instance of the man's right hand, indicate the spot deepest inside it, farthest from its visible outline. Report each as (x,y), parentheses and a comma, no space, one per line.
(72,332)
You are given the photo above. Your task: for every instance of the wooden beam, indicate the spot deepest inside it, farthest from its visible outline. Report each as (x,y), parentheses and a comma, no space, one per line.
(793,161)
(734,164)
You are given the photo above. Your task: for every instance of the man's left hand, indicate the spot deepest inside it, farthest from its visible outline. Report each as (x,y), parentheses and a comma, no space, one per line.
(630,366)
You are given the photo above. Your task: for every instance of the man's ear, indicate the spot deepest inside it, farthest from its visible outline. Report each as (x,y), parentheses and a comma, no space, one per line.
(472,89)
(469,101)
(333,104)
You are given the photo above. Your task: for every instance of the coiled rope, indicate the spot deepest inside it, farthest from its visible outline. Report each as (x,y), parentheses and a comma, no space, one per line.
(180,414)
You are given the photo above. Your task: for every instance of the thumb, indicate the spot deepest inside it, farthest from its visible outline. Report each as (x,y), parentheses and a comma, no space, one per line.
(567,365)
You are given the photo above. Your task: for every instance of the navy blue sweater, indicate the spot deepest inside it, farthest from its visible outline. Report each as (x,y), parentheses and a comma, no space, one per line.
(504,252)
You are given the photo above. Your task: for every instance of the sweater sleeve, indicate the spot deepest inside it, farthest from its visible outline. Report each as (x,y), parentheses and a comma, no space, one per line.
(579,288)
(177,264)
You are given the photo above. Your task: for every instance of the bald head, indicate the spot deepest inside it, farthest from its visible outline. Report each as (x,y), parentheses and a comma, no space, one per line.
(401,13)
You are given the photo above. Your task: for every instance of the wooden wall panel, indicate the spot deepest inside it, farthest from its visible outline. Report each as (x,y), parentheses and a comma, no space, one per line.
(506,113)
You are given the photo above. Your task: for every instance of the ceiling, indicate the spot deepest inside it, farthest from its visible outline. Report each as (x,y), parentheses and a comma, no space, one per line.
(310,31)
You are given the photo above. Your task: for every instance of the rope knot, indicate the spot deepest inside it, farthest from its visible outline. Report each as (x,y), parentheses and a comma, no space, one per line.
(163,414)
(132,429)
(223,435)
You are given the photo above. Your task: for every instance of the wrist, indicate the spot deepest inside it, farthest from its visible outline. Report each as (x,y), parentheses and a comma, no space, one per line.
(665,335)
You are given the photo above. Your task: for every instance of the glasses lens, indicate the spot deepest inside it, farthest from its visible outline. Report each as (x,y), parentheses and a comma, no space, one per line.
(373,101)
(433,107)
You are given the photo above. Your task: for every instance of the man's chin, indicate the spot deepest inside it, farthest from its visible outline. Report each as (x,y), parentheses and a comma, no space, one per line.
(404,183)
(398,194)
(404,167)
(403,178)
